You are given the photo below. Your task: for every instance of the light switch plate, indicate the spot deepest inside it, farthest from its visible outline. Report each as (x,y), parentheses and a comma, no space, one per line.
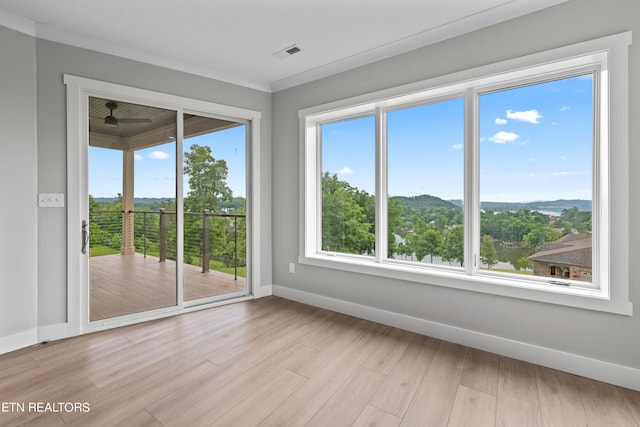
(51,200)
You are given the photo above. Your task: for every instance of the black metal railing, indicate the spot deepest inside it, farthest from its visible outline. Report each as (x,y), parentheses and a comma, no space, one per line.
(217,238)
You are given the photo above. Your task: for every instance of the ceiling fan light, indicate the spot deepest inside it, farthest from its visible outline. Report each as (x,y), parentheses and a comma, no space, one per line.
(111,121)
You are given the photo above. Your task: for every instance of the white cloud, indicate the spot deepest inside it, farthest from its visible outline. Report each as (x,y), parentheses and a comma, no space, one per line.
(457,146)
(565,108)
(345,171)
(530,116)
(562,173)
(137,157)
(158,155)
(503,137)
(500,121)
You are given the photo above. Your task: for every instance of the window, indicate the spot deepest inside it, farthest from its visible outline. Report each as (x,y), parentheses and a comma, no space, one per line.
(536,146)
(425,180)
(348,184)
(484,180)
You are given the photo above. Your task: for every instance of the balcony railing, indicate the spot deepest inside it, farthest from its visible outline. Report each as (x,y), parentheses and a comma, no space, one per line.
(211,240)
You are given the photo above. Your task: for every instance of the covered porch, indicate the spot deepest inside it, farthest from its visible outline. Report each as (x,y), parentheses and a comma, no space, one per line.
(126,284)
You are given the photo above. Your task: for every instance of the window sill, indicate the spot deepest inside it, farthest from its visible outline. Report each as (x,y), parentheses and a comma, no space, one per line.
(588,299)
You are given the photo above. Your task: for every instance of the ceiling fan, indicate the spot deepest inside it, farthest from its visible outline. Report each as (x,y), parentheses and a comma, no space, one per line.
(113,121)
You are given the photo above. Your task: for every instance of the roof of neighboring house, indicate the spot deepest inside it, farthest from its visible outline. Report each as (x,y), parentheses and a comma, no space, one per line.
(572,249)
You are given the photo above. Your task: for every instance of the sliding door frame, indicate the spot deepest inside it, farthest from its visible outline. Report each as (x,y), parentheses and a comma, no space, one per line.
(79,90)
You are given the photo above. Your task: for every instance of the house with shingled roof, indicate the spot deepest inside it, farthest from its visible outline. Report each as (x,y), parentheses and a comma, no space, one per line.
(567,258)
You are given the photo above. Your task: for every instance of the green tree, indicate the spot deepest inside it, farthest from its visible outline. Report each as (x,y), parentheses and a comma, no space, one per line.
(540,234)
(207,179)
(105,224)
(345,227)
(577,220)
(425,241)
(454,245)
(523,262)
(488,253)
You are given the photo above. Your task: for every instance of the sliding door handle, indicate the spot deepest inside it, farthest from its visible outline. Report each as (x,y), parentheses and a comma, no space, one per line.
(85,236)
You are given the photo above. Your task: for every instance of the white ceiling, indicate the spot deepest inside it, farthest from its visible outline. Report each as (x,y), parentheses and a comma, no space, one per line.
(234,40)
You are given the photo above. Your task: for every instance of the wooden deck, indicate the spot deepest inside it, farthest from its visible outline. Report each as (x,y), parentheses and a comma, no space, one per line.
(272,362)
(126,284)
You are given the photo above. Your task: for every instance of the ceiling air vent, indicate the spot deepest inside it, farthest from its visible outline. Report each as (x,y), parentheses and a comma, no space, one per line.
(287,52)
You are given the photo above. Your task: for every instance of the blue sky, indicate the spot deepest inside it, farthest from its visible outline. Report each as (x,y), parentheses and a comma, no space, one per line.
(155,166)
(535,144)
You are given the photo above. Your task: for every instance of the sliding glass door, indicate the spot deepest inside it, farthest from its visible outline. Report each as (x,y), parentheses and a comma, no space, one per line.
(215,208)
(137,221)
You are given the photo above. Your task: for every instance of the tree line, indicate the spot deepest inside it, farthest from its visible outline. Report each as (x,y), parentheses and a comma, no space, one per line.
(424,227)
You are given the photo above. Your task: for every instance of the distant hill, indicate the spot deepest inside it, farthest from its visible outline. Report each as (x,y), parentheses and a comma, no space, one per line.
(139,201)
(542,206)
(235,203)
(425,201)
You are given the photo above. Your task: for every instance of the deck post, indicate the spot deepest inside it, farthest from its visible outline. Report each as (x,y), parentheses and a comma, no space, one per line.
(128,218)
(205,241)
(163,234)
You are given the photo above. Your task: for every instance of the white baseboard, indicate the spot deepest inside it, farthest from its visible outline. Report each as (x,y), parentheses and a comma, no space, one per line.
(599,370)
(18,341)
(62,330)
(263,291)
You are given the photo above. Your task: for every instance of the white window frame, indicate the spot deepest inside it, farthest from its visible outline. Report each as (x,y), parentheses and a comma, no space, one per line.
(607,58)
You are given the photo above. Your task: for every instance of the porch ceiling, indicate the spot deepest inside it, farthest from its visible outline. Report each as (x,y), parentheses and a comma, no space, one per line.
(151,125)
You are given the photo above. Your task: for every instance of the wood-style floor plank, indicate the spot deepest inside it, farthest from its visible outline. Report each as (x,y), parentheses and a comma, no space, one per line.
(431,406)
(632,399)
(481,371)
(192,402)
(304,403)
(372,416)
(399,388)
(473,408)
(385,357)
(346,405)
(559,400)
(273,362)
(268,395)
(518,403)
(597,398)
(123,398)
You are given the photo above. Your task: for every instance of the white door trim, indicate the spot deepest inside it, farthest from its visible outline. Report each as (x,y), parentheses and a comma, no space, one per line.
(78,91)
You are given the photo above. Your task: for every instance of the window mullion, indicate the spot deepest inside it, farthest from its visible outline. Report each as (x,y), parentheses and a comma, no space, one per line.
(471,183)
(381,195)
(600,167)
(317,205)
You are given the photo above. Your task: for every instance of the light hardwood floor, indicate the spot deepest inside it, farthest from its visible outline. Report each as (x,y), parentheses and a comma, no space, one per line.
(272,362)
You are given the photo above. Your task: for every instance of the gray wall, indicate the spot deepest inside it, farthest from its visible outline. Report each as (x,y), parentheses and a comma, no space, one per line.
(54,60)
(18,176)
(597,335)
